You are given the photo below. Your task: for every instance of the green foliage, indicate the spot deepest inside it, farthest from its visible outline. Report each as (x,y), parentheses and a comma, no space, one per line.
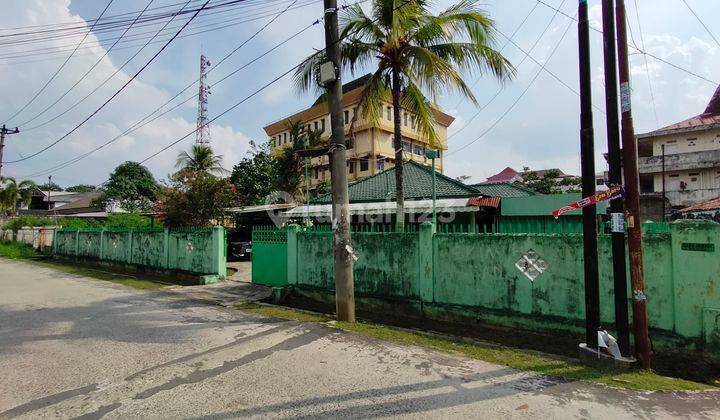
(16,223)
(16,250)
(289,164)
(200,159)
(51,187)
(78,223)
(14,193)
(132,186)
(323,187)
(254,177)
(81,188)
(550,183)
(195,199)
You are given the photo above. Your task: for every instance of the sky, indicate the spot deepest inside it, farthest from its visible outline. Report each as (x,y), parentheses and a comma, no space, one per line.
(531,120)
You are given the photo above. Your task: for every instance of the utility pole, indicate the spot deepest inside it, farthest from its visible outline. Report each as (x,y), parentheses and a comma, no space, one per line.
(342,246)
(587,161)
(49,187)
(3,134)
(615,178)
(632,196)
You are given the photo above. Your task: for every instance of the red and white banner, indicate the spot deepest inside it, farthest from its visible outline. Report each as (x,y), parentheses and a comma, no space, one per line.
(611,194)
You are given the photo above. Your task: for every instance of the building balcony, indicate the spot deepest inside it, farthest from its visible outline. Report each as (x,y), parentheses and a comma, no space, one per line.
(679,162)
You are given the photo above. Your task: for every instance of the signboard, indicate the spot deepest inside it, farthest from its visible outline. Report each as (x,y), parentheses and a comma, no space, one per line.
(698,247)
(611,194)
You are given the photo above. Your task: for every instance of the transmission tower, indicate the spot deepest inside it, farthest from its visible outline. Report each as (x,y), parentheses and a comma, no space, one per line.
(202,135)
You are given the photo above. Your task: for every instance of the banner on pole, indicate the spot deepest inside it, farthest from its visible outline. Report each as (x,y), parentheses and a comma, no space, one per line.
(611,194)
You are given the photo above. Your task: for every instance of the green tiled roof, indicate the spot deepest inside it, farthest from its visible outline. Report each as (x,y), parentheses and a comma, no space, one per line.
(543,205)
(503,190)
(417,185)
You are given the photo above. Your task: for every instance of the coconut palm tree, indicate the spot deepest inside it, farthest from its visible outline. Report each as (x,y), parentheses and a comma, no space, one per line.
(14,193)
(289,163)
(418,55)
(200,159)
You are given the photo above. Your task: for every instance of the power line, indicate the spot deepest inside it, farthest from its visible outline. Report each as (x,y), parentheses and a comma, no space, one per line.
(647,67)
(116,93)
(638,49)
(61,66)
(139,23)
(107,79)
(701,22)
(88,71)
(144,121)
(512,106)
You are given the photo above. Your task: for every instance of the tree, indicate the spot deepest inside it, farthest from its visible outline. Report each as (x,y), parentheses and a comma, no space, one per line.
(254,177)
(289,164)
(417,54)
(195,199)
(200,159)
(13,194)
(81,188)
(549,183)
(51,187)
(132,186)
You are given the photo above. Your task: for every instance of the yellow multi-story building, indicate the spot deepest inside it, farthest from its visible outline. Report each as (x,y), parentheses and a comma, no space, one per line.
(370,147)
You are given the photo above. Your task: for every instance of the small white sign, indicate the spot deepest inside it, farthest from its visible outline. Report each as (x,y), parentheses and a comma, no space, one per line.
(625,97)
(531,264)
(617,222)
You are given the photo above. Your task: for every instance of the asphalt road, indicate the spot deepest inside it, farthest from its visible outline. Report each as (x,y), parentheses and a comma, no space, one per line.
(77,347)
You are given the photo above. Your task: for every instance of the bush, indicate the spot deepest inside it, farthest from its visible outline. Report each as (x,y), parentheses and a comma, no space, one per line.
(18,222)
(16,250)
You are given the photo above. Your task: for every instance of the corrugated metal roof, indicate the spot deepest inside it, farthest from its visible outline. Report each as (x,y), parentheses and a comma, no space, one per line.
(710,118)
(543,205)
(417,183)
(502,190)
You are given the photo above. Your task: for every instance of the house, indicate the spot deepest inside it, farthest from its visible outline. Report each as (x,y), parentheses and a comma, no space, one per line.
(370,147)
(510,176)
(682,160)
(372,199)
(709,210)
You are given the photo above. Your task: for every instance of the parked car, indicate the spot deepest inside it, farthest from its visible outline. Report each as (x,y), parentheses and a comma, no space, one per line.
(239,245)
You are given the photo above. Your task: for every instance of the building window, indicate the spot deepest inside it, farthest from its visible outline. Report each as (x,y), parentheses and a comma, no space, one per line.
(351,166)
(419,150)
(691,142)
(322,125)
(439,154)
(405,121)
(350,143)
(284,137)
(354,112)
(674,175)
(364,165)
(315,173)
(346,113)
(388,112)
(380,164)
(407,147)
(413,122)
(316,126)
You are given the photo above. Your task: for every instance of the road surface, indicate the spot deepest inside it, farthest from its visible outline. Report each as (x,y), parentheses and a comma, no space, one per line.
(77,347)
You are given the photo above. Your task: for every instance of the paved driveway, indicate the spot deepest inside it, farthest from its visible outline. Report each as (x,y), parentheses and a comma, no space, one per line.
(72,346)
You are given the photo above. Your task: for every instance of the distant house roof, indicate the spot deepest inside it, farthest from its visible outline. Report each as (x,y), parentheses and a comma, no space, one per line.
(710,118)
(506,175)
(708,205)
(502,190)
(417,183)
(543,205)
(82,203)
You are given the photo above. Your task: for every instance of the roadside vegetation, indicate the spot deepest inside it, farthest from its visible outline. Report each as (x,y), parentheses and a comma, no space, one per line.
(547,364)
(118,220)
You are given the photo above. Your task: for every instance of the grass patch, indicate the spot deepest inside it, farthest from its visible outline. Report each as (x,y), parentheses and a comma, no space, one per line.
(515,358)
(16,250)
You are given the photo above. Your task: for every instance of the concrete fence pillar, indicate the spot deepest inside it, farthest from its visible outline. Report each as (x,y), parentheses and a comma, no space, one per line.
(426,271)
(219,251)
(292,254)
(166,248)
(77,242)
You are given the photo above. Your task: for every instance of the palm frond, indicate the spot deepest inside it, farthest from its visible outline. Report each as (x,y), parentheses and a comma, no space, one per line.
(414,102)
(433,74)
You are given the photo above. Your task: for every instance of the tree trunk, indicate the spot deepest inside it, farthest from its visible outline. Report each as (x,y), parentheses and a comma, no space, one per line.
(397,145)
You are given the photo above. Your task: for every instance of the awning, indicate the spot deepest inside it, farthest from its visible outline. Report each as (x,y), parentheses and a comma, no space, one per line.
(445,205)
(484,202)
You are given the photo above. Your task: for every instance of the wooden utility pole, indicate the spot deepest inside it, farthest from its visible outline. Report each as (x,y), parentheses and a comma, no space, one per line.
(3,134)
(632,196)
(615,178)
(587,162)
(342,246)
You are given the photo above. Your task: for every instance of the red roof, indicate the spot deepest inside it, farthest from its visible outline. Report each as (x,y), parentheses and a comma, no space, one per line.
(506,175)
(484,201)
(709,118)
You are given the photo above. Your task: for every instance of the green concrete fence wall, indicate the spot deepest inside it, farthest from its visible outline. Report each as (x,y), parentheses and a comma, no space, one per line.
(193,250)
(475,275)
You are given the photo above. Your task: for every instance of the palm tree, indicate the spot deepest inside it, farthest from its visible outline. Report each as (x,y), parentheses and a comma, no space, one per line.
(417,54)
(289,163)
(200,159)
(14,193)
